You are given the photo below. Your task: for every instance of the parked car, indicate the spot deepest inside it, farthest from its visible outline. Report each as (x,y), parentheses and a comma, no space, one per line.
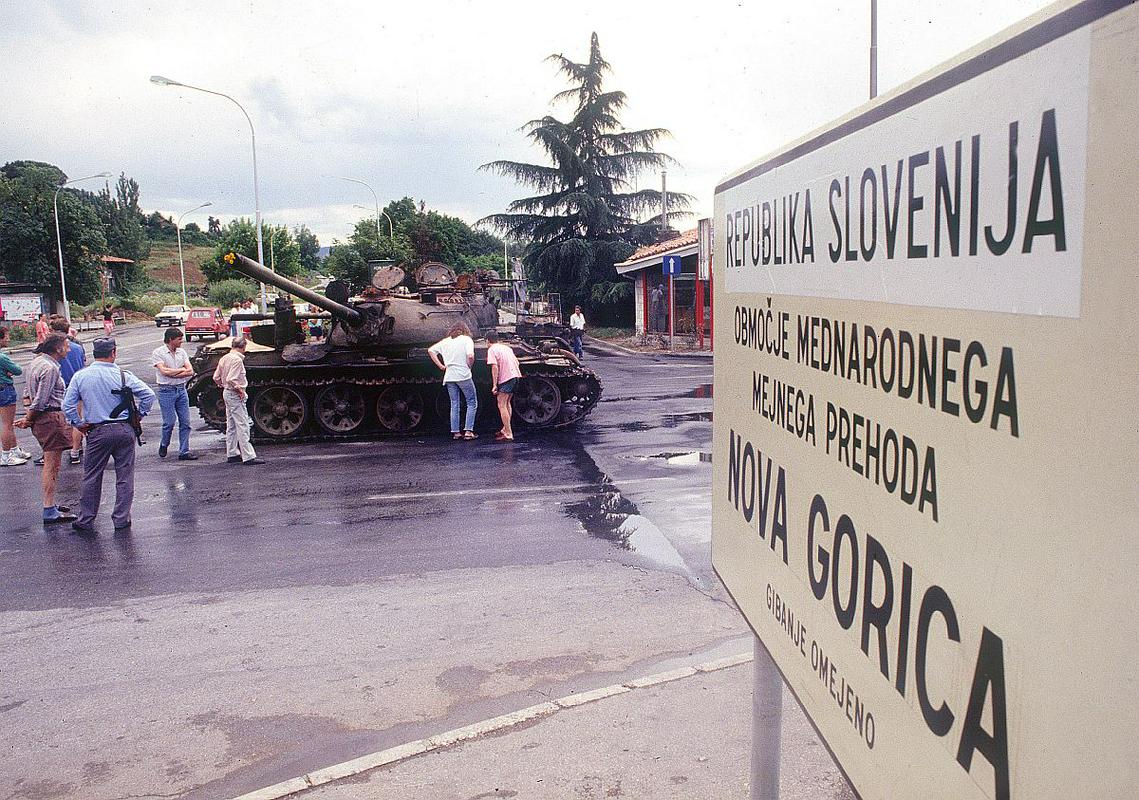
(171,315)
(204,322)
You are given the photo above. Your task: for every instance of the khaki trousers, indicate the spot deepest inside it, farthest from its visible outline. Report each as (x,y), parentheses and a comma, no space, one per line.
(237,427)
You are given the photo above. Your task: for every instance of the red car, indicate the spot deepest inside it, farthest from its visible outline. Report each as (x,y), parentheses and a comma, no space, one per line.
(204,322)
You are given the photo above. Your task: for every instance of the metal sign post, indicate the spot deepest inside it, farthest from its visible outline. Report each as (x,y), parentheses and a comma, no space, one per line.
(670,266)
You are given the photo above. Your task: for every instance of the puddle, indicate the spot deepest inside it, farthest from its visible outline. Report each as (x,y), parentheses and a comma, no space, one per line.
(608,514)
(635,427)
(672,420)
(684,459)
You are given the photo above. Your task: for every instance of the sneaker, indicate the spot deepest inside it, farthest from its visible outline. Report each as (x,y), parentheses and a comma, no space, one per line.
(254,461)
(9,458)
(22,453)
(75,458)
(233,460)
(187,457)
(162,451)
(39,462)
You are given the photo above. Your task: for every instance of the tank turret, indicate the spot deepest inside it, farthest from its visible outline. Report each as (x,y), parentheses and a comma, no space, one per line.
(383,318)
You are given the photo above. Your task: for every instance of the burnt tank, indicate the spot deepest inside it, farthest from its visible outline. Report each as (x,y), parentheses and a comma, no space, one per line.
(371,375)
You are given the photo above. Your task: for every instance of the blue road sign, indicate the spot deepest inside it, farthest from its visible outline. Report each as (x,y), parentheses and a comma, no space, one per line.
(670,265)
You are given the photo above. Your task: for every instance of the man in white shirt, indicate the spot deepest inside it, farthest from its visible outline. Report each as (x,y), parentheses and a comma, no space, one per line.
(172,372)
(577,329)
(455,355)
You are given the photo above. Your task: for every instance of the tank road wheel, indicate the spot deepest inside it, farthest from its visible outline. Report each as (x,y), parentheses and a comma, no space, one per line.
(400,408)
(537,401)
(211,406)
(339,409)
(279,412)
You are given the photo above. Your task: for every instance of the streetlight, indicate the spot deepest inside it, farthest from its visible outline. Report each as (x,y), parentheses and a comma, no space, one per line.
(161,81)
(391,230)
(390,234)
(182,266)
(59,239)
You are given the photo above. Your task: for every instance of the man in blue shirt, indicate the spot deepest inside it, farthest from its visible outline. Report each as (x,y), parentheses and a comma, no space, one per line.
(76,360)
(105,421)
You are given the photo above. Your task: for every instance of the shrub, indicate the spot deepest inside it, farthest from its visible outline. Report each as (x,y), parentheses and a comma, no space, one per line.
(20,332)
(225,294)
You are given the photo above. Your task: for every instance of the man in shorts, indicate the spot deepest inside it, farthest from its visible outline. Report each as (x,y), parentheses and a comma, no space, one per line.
(44,416)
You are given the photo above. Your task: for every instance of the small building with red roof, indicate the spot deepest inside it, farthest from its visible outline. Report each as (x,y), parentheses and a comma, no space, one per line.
(689,300)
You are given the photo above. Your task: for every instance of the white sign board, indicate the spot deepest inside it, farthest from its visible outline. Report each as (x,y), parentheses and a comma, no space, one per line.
(23,307)
(925,484)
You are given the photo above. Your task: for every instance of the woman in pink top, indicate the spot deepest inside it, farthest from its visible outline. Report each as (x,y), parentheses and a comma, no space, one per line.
(504,373)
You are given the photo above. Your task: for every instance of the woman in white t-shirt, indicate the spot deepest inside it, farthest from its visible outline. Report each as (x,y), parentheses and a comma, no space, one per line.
(454,356)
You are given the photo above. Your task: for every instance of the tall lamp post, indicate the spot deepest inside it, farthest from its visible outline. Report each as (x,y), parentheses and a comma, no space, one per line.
(391,230)
(161,81)
(391,234)
(181,265)
(59,239)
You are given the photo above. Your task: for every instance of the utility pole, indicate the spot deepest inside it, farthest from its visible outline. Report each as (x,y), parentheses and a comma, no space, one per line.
(873,49)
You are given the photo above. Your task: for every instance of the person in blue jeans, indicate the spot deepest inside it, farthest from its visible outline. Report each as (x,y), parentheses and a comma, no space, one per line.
(454,356)
(172,373)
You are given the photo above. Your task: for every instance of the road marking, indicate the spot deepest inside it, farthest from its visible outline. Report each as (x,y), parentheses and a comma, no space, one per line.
(518,490)
(394,755)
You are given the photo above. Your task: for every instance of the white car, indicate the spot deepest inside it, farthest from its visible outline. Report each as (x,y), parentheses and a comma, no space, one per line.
(171,315)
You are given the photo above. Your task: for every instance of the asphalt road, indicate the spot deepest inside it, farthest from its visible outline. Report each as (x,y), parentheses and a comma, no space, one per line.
(260,622)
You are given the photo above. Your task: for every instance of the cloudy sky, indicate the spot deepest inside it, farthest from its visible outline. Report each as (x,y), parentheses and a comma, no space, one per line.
(412,97)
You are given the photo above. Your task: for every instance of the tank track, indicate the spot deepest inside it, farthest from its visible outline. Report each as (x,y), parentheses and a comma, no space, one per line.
(575,405)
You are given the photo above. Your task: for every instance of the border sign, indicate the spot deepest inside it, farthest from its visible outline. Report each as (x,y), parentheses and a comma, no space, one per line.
(925,487)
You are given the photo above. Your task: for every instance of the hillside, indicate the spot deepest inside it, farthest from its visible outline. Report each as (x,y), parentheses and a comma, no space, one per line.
(162,265)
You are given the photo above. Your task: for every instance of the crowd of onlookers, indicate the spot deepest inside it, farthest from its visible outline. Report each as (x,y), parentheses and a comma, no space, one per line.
(91,413)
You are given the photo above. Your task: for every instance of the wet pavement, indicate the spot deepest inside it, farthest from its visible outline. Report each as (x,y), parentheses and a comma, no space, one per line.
(260,622)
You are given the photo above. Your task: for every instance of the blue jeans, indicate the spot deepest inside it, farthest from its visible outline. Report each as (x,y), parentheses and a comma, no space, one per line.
(175,405)
(467,388)
(577,343)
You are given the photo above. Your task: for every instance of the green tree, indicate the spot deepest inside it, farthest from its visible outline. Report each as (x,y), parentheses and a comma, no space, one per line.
(240,236)
(420,235)
(124,230)
(587,212)
(308,247)
(28,248)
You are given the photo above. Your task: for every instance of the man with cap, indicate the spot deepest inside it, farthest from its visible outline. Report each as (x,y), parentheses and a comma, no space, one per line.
(105,420)
(45,393)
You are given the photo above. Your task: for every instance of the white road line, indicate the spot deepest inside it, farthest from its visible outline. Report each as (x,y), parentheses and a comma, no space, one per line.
(393,755)
(516,490)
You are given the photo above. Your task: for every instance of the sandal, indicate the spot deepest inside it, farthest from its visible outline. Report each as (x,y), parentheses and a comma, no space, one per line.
(470,435)
(501,437)
(456,436)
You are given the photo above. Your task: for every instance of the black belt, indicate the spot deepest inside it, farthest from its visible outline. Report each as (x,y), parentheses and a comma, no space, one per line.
(110,422)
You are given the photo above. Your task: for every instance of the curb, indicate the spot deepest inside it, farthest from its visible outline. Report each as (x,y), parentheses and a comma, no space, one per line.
(394,755)
(606,345)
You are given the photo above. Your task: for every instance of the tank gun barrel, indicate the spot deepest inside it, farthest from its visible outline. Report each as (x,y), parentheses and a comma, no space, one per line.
(260,272)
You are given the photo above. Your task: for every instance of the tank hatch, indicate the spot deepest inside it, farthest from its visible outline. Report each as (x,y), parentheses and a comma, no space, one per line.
(433,274)
(387,277)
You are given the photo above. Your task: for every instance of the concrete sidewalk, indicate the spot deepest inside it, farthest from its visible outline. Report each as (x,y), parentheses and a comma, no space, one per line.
(680,734)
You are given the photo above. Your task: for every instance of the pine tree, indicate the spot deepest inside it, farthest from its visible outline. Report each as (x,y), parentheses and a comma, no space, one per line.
(587,217)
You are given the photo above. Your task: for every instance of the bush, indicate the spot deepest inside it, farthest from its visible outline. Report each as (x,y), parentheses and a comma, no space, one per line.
(20,332)
(150,303)
(225,294)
